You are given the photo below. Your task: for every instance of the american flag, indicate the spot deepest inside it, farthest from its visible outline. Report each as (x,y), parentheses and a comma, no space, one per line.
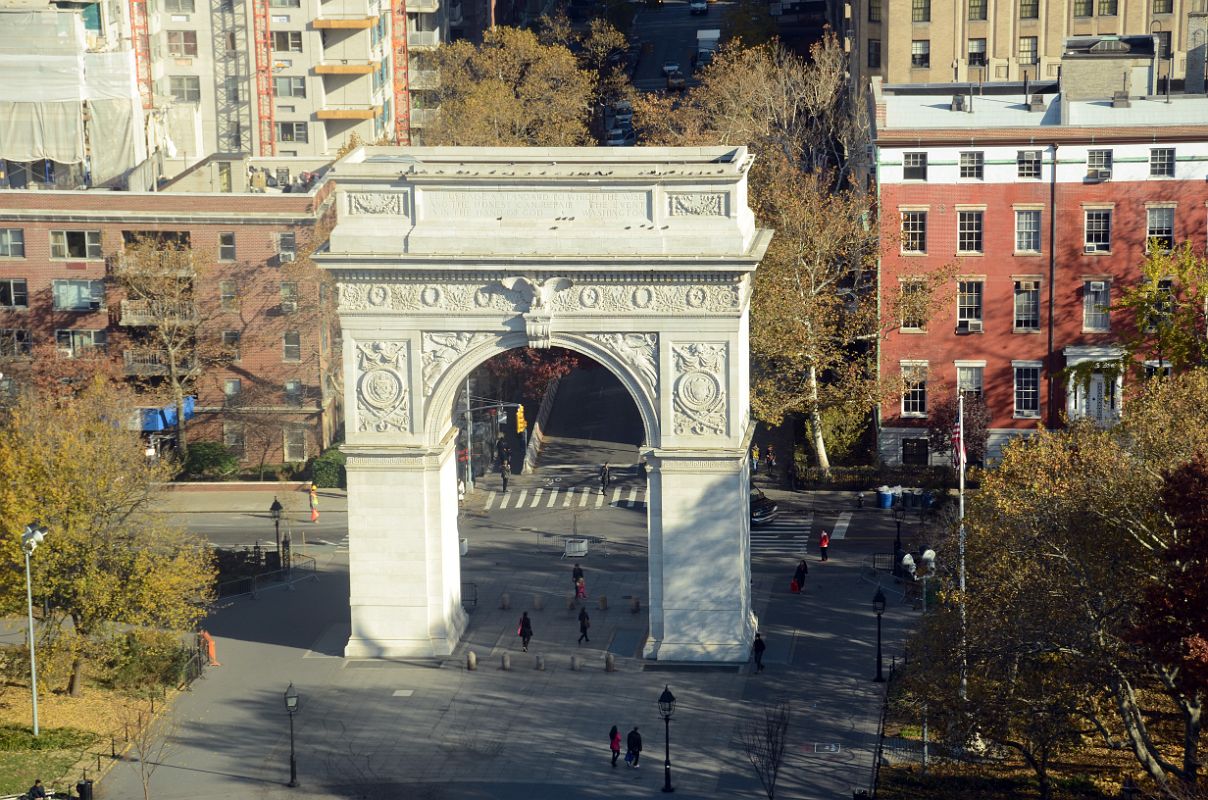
(958,446)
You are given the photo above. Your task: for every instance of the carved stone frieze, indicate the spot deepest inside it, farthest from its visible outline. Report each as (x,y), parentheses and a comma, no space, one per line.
(639,351)
(441,349)
(698,400)
(382,394)
(376,204)
(696,204)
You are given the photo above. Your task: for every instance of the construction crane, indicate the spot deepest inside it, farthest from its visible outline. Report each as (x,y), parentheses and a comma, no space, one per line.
(141,44)
(264,77)
(402,83)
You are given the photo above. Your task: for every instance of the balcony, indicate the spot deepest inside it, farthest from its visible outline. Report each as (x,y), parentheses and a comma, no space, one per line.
(179,264)
(423,117)
(347,66)
(328,21)
(348,111)
(147,362)
(424,79)
(141,313)
(423,40)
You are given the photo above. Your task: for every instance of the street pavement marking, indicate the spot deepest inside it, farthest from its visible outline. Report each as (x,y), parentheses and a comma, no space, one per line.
(599,499)
(633,498)
(583,497)
(520,500)
(403,692)
(490,499)
(841,526)
(570,495)
(553,496)
(616,497)
(537,497)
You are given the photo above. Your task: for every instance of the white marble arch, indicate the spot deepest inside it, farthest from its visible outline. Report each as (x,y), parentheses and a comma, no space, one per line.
(641,260)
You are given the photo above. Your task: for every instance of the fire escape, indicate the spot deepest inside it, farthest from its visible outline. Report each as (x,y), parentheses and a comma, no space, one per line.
(402,90)
(264,78)
(142,50)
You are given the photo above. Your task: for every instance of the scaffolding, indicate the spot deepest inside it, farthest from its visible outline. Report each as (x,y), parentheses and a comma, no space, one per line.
(141,44)
(402,84)
(264,78)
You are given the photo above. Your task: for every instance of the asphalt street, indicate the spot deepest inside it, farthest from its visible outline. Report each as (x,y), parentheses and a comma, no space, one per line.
(670,30)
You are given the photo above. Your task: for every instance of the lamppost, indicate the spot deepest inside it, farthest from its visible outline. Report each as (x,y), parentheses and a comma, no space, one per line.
(291,705)
(667,708)
(30,539)
(899,515)
(275,510)
(878,605)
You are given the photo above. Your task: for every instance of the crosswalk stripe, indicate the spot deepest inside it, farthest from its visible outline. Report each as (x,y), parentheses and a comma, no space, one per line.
(537,497)
(520,499)
(616,496)
(553,496)
(583,498)
(570,495)
(599,499)
(490,499)
(841,525)
(633,497)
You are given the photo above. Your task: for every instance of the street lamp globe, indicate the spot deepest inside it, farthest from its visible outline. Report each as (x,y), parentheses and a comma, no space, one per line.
(878,602)
(291,699)
(666,703)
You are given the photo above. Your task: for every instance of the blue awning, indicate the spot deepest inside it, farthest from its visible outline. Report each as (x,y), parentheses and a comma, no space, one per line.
(158,419)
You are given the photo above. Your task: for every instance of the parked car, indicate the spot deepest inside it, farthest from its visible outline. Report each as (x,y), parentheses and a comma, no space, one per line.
(676,80)
(763,510)
(621,137)
(670,66)
(622,112)
(698,7)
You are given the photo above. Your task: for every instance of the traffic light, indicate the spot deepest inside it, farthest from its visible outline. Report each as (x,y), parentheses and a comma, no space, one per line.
(521,422)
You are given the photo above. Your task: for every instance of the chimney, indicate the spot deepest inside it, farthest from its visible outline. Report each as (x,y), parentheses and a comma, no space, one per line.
(1197,55)
(958,102)
(1037,102)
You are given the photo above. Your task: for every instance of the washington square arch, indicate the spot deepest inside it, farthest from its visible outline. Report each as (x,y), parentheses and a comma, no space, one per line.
(641,259)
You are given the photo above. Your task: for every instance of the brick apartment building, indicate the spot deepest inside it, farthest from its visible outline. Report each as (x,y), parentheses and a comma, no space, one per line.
(59,251)
(1045,208)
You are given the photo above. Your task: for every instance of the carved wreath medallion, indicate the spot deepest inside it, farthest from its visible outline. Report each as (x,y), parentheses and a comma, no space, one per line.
(382,396)
(697,204)
(699,397)
(377,204)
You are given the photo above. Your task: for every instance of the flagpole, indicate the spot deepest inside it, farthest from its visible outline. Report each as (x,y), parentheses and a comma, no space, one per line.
(960,416)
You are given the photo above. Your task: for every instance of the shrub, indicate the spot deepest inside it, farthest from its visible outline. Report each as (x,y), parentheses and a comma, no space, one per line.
(18,738)
(210,460)
(327,471)
(141,659)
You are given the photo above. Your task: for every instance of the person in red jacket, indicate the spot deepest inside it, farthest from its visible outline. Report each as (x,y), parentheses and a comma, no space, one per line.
(823,543)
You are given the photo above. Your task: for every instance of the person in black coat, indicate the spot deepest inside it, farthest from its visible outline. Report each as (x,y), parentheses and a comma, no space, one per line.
(633,743)
(525,630)
(575,574)
(799,576)
(757,649)
(584,624)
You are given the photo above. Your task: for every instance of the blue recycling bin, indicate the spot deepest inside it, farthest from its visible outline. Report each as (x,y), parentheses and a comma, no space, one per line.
(884,499)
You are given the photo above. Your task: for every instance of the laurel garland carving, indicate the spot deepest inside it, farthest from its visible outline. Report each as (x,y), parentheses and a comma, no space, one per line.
(383,402)
(375,204)
(441,349)
(638,351)
(698,400)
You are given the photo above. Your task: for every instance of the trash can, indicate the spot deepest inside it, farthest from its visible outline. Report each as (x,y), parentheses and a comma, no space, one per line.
(272,560)
(928,500)
(84,789)
(884,497)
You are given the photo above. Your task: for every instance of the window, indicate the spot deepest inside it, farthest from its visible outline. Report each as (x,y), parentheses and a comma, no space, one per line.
(13,293)
(293,393)
(874,10)
(920,10)
(1107,8)
(1161,162)
(1157,369)
(1027,305)
(1162,308)
(914,396)
(1096,300)
(289,297)
(977,9)
(914,231)
(1160,227)
(1027,230)
(287,246)
(295,443)
(228,295)
(969,302)
(75,244)
(185,88)
(230,344)
(79,295)
(292,132)
(287,41)
(1163,44)
(969,379)
(1029,9)
(292,347)
(911,304)
(178,6)
(182,43)
(1099,163)
(15,342)
(1098,236)
(915,453)
(977,52)
(914,167)
(226,247)
(1027,388)
(1163,6)
(1083,8)
(289,86)
(232,436)
(874,53)
(920,53)
(285,3)
(969,228)
(232,388)
(73,343)
(1027,50)
(973,164)
(12,243)
(1027,164)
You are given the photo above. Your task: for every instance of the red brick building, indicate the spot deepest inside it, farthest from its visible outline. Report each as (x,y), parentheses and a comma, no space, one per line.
(1043,210)
(248,225)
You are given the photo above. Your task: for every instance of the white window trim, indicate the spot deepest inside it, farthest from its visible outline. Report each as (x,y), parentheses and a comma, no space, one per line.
(1015,412)
(909,364)
(1106,311)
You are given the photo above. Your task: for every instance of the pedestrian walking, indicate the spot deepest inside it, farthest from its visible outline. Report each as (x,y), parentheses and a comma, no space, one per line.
(754,459)
(461,491)
(584,624)
(769,458)
(757,650)
(803,569)
(823,543)
(525,630)
(505,469)
(633,744)
(605,477)
(576,574)
(614,744)
(580,589)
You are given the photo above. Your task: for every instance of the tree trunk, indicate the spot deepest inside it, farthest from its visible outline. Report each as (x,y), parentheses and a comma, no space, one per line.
(815,418)
(1135,731)
(1192,725)
(75,684)
(178,397)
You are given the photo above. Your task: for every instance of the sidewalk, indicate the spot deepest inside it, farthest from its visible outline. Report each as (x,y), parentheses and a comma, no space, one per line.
(247,498)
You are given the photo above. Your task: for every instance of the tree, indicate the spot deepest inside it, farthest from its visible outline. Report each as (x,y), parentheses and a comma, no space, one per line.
(512,90)
(942,419)
(1168,308)
(525,373)
(71,463)
(764,741)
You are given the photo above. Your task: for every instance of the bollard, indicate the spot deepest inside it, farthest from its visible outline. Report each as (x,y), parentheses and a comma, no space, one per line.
(574,663)
(505,602)
(471,660)
(540,665)
(610,662)
(538,602)
(635,605)
(603,602)
(505,662)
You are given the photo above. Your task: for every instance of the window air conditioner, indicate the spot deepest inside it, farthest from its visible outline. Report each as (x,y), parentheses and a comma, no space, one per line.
(1098,286)
(1029,286)
(288,306)
(974,325)
(1091,248)
(1096,175)
(286,257)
